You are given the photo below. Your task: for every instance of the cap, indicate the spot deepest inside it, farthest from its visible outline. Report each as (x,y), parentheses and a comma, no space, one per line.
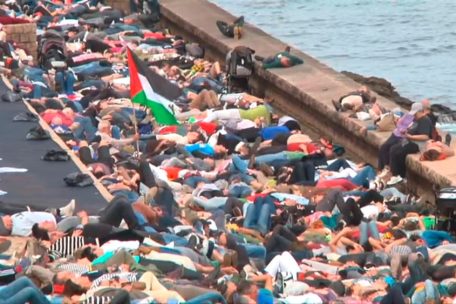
(3,230)
(212,225)
(416,107)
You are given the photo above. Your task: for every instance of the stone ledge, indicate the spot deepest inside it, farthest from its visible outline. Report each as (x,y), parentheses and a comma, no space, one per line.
(308,88)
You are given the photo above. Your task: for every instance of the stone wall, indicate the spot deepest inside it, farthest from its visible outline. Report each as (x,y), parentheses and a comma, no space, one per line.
(122,5)
(24,35)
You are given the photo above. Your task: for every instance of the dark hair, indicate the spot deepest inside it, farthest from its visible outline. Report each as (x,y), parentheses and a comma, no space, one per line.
(367,247)
(415,237)
(430,155)
(398,234)
(244,287)
(349,247)
(70,289)
(39,233)
(395,219)
(88,253)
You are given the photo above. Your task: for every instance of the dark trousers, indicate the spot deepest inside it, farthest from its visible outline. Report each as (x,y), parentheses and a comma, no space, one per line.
(350,211)
(394,296)
(384,153)
(398,154)
(368,197)
(303,173)
(117,210)
(146,175)
(103,156)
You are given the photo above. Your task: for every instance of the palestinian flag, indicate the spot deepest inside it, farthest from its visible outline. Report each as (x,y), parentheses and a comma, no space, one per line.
(142,91)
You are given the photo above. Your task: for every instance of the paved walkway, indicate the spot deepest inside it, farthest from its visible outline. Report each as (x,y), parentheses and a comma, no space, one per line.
(43,184)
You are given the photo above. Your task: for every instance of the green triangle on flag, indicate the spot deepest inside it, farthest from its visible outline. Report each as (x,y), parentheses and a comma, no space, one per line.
(143,93)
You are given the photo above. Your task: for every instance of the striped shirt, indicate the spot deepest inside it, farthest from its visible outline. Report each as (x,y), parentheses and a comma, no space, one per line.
(124,276)
(72,267)
(66,246)
(97,300)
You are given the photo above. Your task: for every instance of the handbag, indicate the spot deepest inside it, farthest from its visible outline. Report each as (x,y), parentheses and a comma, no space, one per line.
(387,123)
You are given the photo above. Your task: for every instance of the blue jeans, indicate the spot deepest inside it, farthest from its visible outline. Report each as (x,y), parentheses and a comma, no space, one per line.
(272,158)
(22,291)
(97,83)
(200,83)
(91,68)
(192,181)
(178,240)
(86,129)
(337,165)
(366,229)
(429,293)
(39,91)
(239,167)
(207,298)
(212,203)
(239,190)
(255,251)
(258,214)
(363,177)
(66,81)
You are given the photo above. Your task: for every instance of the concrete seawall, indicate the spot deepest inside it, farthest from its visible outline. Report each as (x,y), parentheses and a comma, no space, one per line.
(304,91)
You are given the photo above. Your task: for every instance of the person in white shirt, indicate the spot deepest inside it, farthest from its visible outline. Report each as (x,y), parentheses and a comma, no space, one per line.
(20,224)
(368,226)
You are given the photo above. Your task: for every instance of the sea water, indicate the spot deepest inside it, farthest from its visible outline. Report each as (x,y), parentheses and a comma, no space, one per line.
(411,43)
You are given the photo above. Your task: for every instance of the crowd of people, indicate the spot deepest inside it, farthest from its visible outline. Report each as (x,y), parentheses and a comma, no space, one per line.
(235,204)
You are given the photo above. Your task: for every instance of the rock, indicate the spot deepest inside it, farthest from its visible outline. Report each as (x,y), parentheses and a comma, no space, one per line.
(382,87)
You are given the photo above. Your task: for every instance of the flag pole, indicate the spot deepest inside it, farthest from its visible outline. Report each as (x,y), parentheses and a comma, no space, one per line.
(135,126)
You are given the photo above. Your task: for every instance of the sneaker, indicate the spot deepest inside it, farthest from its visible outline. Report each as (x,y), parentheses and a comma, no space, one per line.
(394,180)
(68,210)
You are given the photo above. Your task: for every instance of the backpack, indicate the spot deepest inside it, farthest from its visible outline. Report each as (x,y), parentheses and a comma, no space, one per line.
(239,62)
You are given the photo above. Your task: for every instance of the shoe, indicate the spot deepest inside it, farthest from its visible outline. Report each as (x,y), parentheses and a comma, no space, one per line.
(239,21)
(25,116)
(55,155)
(394,180)
(37,133)
(226,29)
(258,58)
(68,210)
(192,242)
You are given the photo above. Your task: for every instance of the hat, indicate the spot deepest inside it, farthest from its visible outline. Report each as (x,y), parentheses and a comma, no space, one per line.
(416,107)
(212,225)
(3,230)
